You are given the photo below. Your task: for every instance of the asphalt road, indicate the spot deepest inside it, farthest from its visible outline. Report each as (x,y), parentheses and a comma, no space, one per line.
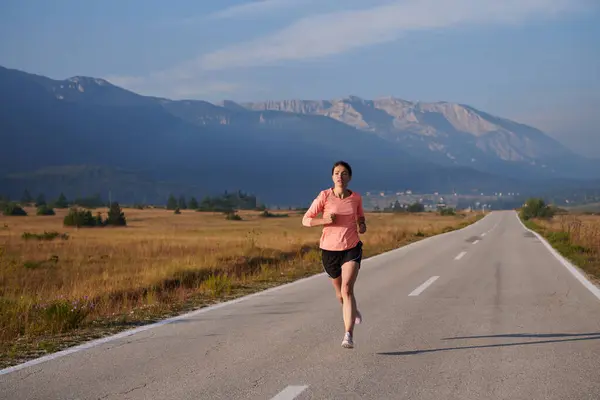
(487,312)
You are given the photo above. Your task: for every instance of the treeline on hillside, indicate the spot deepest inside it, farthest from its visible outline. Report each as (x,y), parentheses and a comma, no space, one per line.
(416,207)
(44,207)
(223,203)
(61,201)
(227,202)
(76,217)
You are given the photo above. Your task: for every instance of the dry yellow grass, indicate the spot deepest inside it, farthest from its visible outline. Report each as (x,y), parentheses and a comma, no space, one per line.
(583,230)
(576,236)
(161,261)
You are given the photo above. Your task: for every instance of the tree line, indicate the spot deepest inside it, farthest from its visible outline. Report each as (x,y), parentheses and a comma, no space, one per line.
(227,202)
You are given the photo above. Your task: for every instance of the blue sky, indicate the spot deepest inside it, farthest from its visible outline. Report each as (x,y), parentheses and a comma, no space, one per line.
(535,61)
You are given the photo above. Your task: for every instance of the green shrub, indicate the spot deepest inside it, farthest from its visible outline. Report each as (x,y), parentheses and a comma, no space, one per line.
(416,208)
(33,264)
(44,236)
(79,218)
(536,208)
(447,211)
(217,285)
(61,315)
(45,210)
(13,209)
(232,216)
(267,214)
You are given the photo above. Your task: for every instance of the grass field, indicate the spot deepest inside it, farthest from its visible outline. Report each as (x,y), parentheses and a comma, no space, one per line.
(586,208)
(575,236)
(58,290)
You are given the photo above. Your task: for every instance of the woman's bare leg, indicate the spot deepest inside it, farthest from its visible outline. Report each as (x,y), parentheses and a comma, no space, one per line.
(349,275)
(337,285)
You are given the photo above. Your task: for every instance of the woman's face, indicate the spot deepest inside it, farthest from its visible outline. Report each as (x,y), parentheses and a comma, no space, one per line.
(341,177)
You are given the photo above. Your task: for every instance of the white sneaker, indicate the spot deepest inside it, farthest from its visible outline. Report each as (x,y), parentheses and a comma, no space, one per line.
(358,318)
(347,342)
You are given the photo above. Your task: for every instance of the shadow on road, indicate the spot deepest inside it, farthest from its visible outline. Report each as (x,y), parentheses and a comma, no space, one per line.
(526,335)
(575,337)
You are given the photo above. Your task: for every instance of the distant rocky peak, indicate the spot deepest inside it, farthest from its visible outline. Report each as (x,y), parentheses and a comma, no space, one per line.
(86,80)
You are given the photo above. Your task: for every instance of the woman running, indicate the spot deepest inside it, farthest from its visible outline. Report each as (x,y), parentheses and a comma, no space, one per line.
(341,247)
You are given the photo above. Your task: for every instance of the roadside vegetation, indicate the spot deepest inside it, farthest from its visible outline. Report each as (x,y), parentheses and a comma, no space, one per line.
(63,280)
(574,235)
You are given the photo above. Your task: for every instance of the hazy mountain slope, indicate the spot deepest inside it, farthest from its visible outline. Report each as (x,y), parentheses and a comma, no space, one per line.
(450,134)
(84,134)
(196,147)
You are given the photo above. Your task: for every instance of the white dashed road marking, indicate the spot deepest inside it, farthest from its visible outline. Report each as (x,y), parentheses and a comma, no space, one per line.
(290,392)
(424,286)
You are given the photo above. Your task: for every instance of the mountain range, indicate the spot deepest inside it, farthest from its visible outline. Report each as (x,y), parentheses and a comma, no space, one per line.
(84,135)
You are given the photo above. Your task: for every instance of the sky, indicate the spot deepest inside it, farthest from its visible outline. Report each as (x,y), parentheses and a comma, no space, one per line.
(533,61)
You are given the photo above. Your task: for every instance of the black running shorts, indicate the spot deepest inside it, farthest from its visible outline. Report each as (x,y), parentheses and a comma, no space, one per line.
(333,260)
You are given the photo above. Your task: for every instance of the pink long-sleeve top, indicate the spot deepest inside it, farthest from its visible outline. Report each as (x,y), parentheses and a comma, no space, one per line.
(342,234)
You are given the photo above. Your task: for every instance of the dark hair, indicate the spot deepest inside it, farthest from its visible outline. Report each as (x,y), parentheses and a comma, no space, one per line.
(343,164)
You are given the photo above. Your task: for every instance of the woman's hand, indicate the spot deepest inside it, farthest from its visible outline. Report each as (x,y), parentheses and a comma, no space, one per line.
(328,219)
(362,227)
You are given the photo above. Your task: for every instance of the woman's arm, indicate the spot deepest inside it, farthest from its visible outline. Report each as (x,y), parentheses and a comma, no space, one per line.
(362,222)
(318,206)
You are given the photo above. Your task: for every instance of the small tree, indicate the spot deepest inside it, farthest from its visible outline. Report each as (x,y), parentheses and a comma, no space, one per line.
(98,219)
(26,198)
(61,202)
(116,216)
(182,203)
(193,204)
(40,200)
(171,203)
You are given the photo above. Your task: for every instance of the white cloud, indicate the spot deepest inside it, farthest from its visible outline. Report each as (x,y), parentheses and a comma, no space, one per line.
(206,89)
(252,9)
(256,7)
(327,34)
(126,81)
(178,86)
(339,32)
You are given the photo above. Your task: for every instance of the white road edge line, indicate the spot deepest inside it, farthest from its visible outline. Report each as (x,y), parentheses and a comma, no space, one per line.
(483,234)
(573,269)
(424,286)
(475,242)
(290,393)
(97,342)
(461,255)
